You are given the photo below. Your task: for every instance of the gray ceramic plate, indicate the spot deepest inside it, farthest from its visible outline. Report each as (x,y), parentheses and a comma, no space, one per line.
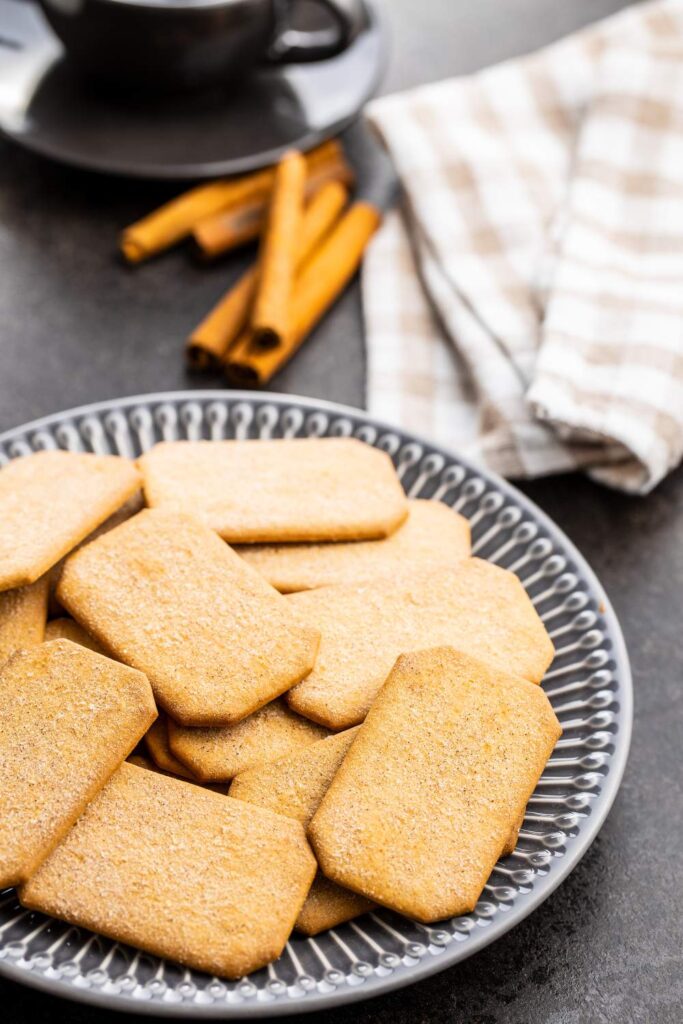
(589,685)
(44,108)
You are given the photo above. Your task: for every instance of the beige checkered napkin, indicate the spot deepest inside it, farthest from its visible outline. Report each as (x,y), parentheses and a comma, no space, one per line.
(526,305)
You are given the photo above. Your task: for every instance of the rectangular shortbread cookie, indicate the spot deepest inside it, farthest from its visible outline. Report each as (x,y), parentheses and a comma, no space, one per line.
(476,607)
(304,489)
(295,784)
(328,905)
(425,801)
(180,872)
(166,595)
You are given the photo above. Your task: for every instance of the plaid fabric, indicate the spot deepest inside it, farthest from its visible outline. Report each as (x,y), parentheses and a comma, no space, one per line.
(525,305)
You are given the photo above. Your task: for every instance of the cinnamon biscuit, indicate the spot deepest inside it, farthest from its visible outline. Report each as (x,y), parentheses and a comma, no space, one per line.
(180,872)
(476,607)
(166,595)
(303,489)
(433,785)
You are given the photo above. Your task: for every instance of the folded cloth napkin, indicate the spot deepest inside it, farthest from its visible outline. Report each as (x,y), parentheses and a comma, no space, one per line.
(525,306)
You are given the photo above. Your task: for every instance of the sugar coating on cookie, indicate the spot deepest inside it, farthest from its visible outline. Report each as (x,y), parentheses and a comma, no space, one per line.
(23,612)
(433,536)
(50,501)
(303,489)
(166,595)
(476,607)
(294,786)
(180,872)
(216,755)
(433,785)
(68,718)
(68,629)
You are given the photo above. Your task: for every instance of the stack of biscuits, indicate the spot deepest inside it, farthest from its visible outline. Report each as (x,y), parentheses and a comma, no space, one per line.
(275,617)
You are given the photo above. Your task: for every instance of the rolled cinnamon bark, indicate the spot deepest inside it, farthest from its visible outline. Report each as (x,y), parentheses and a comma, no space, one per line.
(175,220)
(228,229)
(210,341)
(323,277)
(217,331)
(278,253)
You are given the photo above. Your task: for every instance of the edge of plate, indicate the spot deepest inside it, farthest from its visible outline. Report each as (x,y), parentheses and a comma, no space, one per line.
(543,888)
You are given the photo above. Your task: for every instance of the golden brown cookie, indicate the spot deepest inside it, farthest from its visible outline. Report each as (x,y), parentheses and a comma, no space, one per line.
(433,536)
(437,778)
(180,872)
(216,755)
(22,617)
(68,718)
(305,489)
(165,594)
(477,607)
(156,742)
(50,501)
(294,786)
(68,629)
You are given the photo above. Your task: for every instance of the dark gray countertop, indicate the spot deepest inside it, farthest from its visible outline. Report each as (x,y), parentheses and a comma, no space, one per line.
(75,327)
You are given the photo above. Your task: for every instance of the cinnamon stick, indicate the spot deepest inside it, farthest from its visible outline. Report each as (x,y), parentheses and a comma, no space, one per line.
(175,220)
(229,229)
(323,277)
(209,342)
(277,257)
(214,335)
(235,226)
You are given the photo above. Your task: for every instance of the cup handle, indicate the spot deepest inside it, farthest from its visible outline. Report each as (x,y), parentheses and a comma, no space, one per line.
(294,46)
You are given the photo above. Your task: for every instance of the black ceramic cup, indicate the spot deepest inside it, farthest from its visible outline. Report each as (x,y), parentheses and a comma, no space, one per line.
(181,45)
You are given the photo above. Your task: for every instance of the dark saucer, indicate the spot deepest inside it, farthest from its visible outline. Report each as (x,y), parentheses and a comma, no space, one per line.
(46,108)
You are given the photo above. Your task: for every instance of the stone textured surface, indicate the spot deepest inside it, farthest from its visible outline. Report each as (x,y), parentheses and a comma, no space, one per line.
(77,327)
